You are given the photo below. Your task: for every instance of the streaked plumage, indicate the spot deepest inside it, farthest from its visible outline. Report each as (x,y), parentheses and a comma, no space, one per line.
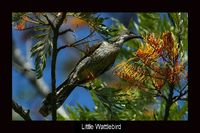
(88,68)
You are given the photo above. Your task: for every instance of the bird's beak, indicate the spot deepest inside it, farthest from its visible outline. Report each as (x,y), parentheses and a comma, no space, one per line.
(132,36)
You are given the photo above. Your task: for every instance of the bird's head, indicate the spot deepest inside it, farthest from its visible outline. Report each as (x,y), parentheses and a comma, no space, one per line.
(126,36)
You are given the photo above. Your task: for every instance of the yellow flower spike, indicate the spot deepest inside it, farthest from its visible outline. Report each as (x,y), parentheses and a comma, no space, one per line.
(149,55)
(119,66)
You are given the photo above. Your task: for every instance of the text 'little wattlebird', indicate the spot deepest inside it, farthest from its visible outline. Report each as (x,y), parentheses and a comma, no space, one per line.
(88,68)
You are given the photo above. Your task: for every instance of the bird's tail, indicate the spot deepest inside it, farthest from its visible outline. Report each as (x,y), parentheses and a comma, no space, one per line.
(61,96)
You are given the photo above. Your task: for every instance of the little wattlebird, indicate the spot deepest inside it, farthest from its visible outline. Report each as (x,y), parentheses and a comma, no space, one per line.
(99,60)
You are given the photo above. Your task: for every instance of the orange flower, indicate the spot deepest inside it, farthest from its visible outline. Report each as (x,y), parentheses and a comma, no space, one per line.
(159,83)
(146,51)
(156,43)
(140,53)
(158,60)
(129,72)
(169,45)
(173,73)
(20,26)
(156,68)
(168,40)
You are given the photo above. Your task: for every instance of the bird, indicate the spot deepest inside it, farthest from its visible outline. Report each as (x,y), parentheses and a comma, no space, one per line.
(96,62)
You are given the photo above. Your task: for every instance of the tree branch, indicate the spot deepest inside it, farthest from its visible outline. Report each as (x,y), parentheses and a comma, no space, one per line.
(60,21)
(181,94)
(176,98)
(63,32)
(169,102)
(77,42)
(40,20)
(53,64)
(160,94)
(23,113)
(24,68)
(49,21)
(31,20)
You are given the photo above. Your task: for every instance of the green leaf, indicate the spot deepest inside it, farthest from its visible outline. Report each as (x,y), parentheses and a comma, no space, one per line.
(37,47)
(42,48)
(131,24)
(17,16)
(60,117)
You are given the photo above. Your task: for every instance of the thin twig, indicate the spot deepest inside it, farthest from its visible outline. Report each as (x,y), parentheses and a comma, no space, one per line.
(73,44)
(65,46)
(49,21)
(87,42)
(184,87)
(40,21)
(176,98)
(183,99)
(76,43)
(23,113)
(63,32)
(32,20)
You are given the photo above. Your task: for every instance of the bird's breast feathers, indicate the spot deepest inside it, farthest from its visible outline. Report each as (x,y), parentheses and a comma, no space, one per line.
(97,63)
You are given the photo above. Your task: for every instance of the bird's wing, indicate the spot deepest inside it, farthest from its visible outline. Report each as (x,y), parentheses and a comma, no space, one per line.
(92,49)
